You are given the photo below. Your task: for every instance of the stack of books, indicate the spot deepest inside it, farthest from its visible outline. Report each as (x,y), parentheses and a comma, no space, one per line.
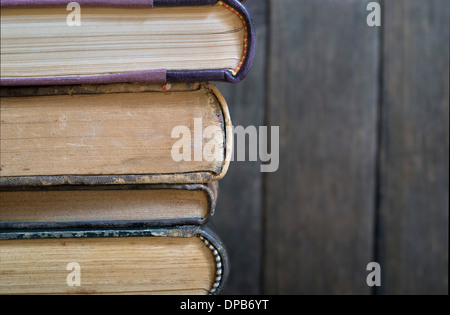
(113,141)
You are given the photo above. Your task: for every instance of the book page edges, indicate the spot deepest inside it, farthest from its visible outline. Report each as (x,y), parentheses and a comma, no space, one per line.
(208,237)
(210,191)
(200,177)
(151,75)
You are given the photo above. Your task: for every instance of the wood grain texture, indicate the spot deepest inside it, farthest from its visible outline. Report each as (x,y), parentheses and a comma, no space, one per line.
(413,222)
(323,94)
(238,218)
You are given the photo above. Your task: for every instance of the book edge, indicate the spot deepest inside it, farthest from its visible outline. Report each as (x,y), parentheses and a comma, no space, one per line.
(210,190)
(154,75)
(206,235)
(134,179)
(228,127)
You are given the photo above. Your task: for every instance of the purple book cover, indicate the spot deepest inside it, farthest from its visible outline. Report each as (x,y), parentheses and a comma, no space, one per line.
(150,75)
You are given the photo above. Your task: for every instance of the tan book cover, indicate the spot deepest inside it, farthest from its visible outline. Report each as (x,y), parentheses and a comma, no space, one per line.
(178,260)
(107,206)
(114,134)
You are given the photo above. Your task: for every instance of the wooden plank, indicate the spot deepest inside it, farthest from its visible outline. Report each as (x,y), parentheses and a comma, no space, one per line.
(238,218)
(323,95)
(413,240)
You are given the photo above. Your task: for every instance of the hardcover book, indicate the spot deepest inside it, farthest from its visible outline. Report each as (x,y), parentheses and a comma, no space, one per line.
(45,42)
(177,260)
(115,134)
(106,206)
(112,143)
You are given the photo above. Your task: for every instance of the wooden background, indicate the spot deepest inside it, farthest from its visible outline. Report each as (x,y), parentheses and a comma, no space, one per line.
(364,145)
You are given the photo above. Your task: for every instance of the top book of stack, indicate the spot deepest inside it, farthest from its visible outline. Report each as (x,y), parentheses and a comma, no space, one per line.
(119,41)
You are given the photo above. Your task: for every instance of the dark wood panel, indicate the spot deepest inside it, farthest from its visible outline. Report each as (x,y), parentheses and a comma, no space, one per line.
(238,218)
(323,94)
(413,239)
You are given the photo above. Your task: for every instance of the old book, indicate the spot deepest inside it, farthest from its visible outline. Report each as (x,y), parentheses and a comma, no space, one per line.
(106,206)
(113,134)
(47,42)
(177,260)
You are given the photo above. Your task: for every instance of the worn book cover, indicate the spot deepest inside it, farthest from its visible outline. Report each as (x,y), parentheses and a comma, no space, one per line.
(69,206)
(174,260)
(114,134)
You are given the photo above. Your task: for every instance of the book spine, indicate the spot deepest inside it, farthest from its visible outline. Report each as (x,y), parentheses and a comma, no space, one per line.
(215,245)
